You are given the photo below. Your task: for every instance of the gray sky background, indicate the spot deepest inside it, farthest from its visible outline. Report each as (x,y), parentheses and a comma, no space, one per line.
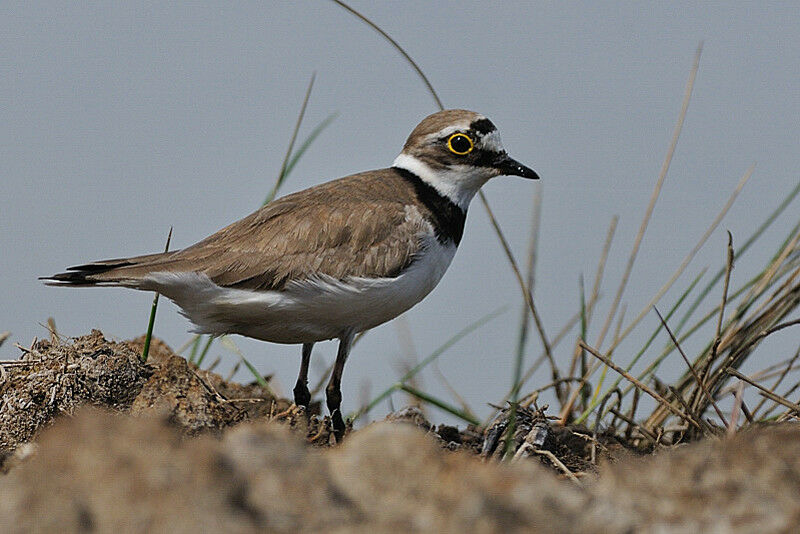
(121,120)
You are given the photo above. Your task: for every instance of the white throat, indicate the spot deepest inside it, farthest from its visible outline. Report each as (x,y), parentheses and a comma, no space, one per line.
(459,184)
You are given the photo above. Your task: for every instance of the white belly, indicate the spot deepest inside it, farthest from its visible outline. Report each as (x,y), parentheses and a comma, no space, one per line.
(306,311)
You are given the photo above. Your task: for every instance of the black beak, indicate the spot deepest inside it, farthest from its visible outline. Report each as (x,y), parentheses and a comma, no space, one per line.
(512,167)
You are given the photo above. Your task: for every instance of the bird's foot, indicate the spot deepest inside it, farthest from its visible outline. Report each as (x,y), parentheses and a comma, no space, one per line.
(338,425)
(302,396)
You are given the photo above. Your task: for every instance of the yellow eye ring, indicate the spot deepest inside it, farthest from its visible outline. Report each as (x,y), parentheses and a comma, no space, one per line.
(460,144)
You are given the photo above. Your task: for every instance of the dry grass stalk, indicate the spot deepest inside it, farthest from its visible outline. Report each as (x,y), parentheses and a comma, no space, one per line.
(744,331)
(654,197)
(781,377)
(692,370)
(640,385)
(764,391)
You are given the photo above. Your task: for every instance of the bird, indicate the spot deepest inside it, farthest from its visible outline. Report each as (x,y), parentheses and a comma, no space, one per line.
(332,260)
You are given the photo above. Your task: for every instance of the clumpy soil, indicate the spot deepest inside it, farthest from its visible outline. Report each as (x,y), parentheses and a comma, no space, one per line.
(93,440)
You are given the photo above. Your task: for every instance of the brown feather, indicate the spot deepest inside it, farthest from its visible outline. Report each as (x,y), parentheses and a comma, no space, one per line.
(332,229)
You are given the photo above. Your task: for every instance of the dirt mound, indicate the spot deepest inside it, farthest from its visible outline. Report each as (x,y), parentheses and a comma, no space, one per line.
(179,449)
(110,472)
(53,378)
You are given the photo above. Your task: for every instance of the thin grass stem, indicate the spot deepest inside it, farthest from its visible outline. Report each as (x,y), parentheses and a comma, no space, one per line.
(442,405)
(152,321)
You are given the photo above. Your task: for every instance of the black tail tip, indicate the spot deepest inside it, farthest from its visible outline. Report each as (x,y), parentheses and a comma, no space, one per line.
(75,278)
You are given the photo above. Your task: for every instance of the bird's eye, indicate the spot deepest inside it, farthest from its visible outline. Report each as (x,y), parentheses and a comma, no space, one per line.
(460,144)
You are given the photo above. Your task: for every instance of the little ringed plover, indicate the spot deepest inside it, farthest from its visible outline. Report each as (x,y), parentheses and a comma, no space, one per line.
(332,260)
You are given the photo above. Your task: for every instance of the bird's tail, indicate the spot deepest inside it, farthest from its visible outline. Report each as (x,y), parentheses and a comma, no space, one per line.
(127,272)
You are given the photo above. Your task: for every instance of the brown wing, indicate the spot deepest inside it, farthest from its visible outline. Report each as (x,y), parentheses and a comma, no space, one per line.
(332,229)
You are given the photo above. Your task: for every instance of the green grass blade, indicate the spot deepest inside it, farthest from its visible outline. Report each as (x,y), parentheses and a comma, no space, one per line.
(204,351)
(430,399)
(598,398)
(739,252)
(152,321)
(195,347)
(227,343)
(305,144)
(427,360)
(287,156)
(260,379)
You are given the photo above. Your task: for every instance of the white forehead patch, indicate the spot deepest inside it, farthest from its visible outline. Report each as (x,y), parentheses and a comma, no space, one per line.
(491,142)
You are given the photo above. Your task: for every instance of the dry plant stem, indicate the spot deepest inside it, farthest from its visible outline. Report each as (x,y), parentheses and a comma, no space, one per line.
(779,308)
(769,274)
(767,413)
(632,379)
(767,374)
(452,391)
(587,311)
(586,314)
(767,332)
(654,197)
(556,340)
(776,369)
(774,306)
(764,391)
(737,406)
(678,397)
(535,366)
(558,463)
(526,295)
(654,365)
(752,238)
(634,405)
(699,380)
(779,380)
(397,47)
(605,406)
(234,370)
(610,354)
(687,260)
(576,352)
(746,412)
(566,379)
(531,278)
(741,338)
(192,341)
(568,406)
(523,331)
(720,318)
(601,267)
(643,349)
(598,279)
(633,424)
(51,327)
(409,358)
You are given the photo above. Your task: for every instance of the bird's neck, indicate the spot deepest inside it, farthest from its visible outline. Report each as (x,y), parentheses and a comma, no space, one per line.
(446,217)
(457,184)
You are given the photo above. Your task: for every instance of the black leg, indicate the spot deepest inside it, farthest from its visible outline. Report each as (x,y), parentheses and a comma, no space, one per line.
(334,390)
(302,397)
